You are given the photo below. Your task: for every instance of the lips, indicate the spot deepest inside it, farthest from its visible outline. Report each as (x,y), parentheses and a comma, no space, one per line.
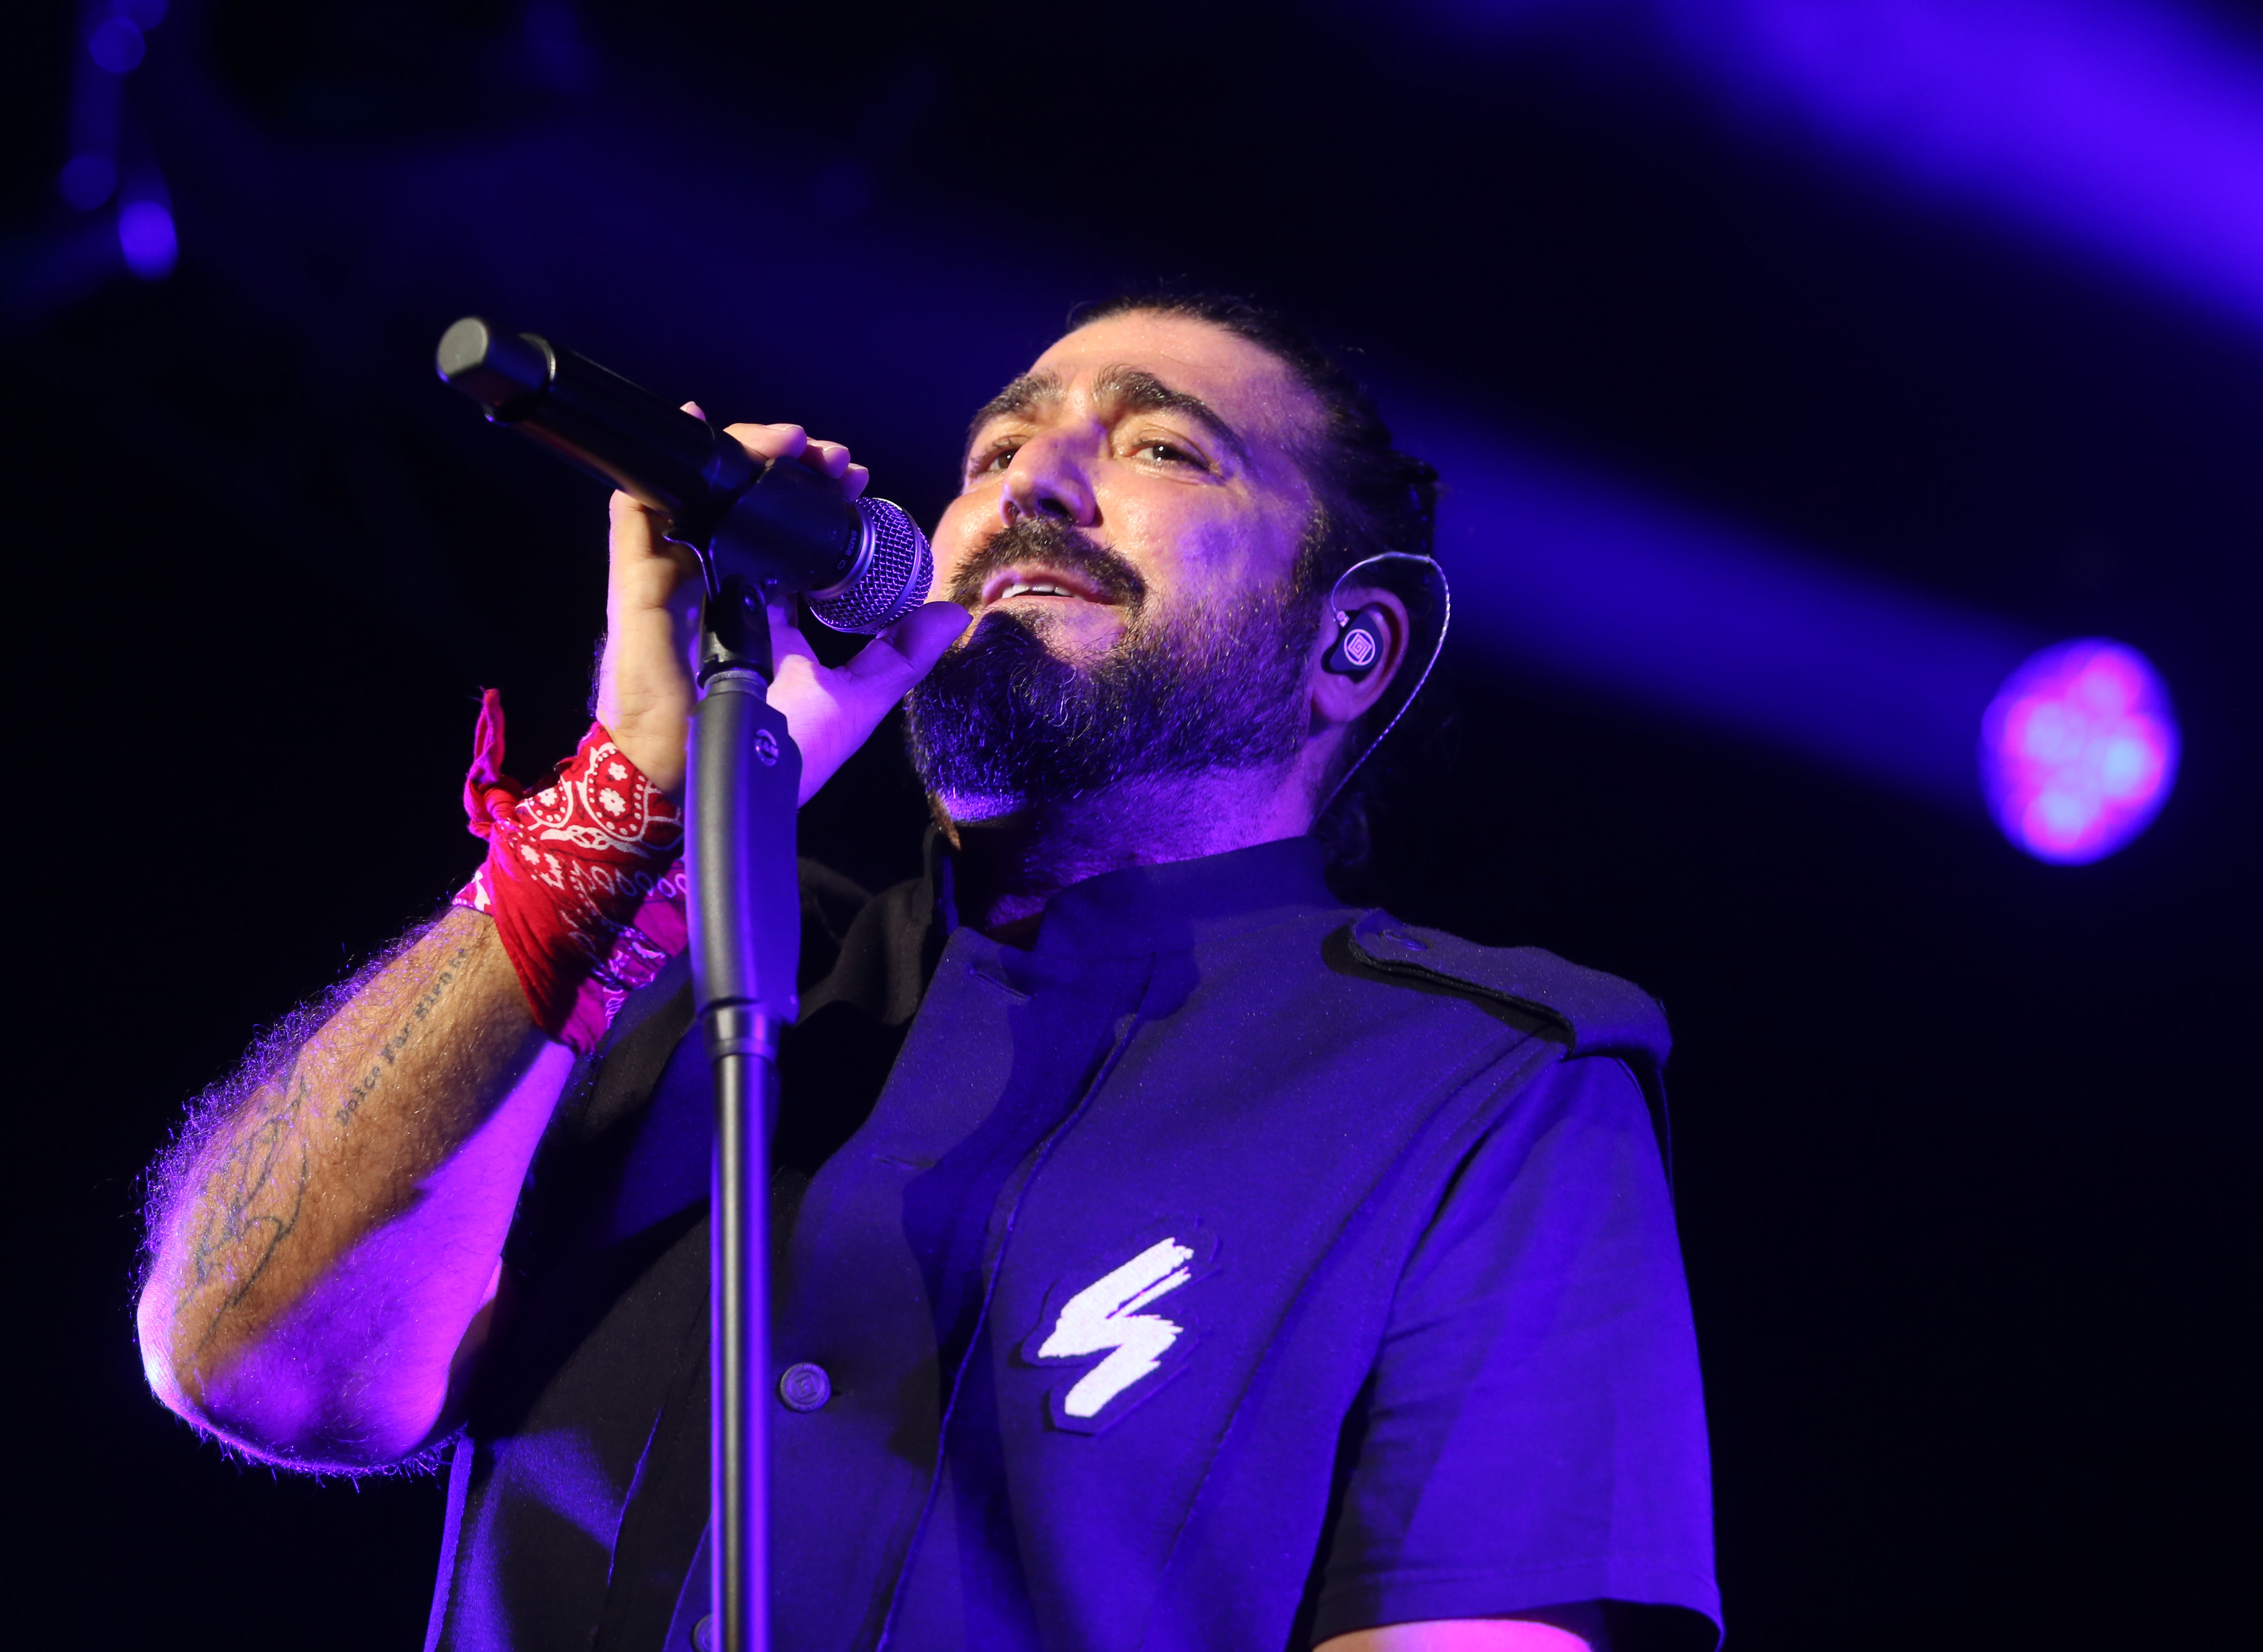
(1040,560)
(1037,582)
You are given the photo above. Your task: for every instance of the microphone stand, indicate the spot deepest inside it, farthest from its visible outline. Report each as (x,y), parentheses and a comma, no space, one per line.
(744,905)
(861,565)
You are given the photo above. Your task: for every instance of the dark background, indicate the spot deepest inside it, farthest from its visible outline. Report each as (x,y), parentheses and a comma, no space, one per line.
(1964,1141)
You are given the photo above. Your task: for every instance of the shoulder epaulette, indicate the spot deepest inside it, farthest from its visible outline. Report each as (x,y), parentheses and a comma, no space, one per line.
(1593,1014)
(1598,1012)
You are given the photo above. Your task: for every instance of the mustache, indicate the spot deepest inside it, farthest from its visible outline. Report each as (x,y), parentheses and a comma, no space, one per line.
(1058,545)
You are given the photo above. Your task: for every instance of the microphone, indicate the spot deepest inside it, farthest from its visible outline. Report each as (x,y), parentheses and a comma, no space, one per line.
(862,564)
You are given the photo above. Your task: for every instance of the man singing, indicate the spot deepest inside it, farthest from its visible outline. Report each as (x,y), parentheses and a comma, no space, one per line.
(1164,1255)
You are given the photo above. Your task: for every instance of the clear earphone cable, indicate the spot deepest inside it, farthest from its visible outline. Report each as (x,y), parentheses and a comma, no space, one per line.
(1445,616)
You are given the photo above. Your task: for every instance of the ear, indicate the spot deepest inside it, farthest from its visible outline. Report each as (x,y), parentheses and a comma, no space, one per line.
(1342,692)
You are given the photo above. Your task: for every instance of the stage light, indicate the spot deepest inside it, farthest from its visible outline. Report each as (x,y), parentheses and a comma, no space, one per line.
(2078,751)
(1585,577)
(145,235)
(88,180)
(116,45)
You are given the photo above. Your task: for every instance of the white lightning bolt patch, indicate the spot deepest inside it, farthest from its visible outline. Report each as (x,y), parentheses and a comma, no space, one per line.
(1104,1317)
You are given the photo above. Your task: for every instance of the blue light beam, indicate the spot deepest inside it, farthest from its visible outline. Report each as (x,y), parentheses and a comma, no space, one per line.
(2132,133)
(1580,578)
(1577,578)
(1558,574)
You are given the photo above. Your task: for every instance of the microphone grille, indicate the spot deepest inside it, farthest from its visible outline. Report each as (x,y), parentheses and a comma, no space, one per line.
(895,579)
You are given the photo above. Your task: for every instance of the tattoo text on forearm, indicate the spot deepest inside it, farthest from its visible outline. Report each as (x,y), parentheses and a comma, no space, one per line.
(253,1198)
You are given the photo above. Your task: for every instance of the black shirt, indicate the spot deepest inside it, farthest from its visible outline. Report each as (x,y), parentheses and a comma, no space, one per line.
(1227,1269)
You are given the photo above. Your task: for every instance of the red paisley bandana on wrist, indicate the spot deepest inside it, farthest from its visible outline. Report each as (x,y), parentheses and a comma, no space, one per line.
(581,879)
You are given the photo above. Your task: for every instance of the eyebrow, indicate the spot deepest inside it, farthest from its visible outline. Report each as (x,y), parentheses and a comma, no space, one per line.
(1123,388)
(1019,397)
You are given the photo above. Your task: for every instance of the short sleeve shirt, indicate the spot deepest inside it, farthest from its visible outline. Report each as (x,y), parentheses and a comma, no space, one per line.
(1176,1283)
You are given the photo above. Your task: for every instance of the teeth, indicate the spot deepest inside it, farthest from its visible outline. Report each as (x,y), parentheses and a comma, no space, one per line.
(1033,590)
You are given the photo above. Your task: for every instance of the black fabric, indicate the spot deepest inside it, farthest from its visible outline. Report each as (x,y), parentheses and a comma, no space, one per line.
(1594,1013)
(1429,1351)
(579,1488)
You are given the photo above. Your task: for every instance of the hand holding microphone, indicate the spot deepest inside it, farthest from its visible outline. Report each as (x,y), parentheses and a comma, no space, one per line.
(645,691)
(770,505)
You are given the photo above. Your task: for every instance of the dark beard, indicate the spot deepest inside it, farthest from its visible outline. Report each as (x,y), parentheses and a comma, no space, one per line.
(1001,719)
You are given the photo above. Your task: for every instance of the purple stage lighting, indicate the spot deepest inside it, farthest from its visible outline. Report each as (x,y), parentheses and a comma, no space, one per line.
(116,44)
(2134,130)
(1580,577)
(2078,751)
(87,181)
(145,235)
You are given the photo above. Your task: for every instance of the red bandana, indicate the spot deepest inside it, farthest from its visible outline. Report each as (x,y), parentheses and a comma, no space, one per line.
(581,879)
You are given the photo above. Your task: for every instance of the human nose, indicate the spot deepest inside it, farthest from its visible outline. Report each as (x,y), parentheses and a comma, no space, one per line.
(1045,480)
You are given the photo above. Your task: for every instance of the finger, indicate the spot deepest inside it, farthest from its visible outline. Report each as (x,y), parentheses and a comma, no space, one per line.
(830,458)
(696,411)
(853,481)
(638,527)
(786,639)
(632,515)
(770,441)
(645,564)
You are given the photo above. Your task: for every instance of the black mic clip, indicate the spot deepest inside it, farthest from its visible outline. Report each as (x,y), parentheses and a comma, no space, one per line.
(734,632)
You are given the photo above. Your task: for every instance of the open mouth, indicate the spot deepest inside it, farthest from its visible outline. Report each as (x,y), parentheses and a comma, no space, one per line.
(1040,584)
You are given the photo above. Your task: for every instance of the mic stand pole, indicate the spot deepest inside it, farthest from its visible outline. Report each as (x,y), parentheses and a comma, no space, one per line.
(745,777)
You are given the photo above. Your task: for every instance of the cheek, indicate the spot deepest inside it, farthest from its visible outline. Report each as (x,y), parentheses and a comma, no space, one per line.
(965,523)
(1181,542)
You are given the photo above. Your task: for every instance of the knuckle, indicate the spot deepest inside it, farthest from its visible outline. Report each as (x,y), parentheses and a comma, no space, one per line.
(769,441)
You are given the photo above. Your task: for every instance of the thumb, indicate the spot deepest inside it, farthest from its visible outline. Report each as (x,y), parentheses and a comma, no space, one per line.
(907,650)
(832,713)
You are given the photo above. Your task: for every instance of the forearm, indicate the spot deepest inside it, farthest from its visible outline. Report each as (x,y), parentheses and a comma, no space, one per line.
(325,1248)
(328,1245)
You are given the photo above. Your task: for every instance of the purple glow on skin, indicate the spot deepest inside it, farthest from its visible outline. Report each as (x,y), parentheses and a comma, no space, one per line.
(145,235)
(2135,131)
(2078,751)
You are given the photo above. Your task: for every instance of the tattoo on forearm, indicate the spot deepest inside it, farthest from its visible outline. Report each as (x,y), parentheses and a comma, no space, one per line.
(253,1197)
(363,1087)
(251,1203)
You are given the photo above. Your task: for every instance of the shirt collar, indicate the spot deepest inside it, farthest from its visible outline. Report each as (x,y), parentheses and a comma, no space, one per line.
(1177,904)
(891,950)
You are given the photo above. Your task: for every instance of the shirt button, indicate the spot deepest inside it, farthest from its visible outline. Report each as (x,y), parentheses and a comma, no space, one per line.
(805,1386)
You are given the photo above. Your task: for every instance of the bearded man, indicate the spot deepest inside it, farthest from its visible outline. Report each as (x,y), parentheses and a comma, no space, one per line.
(1166,1255)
